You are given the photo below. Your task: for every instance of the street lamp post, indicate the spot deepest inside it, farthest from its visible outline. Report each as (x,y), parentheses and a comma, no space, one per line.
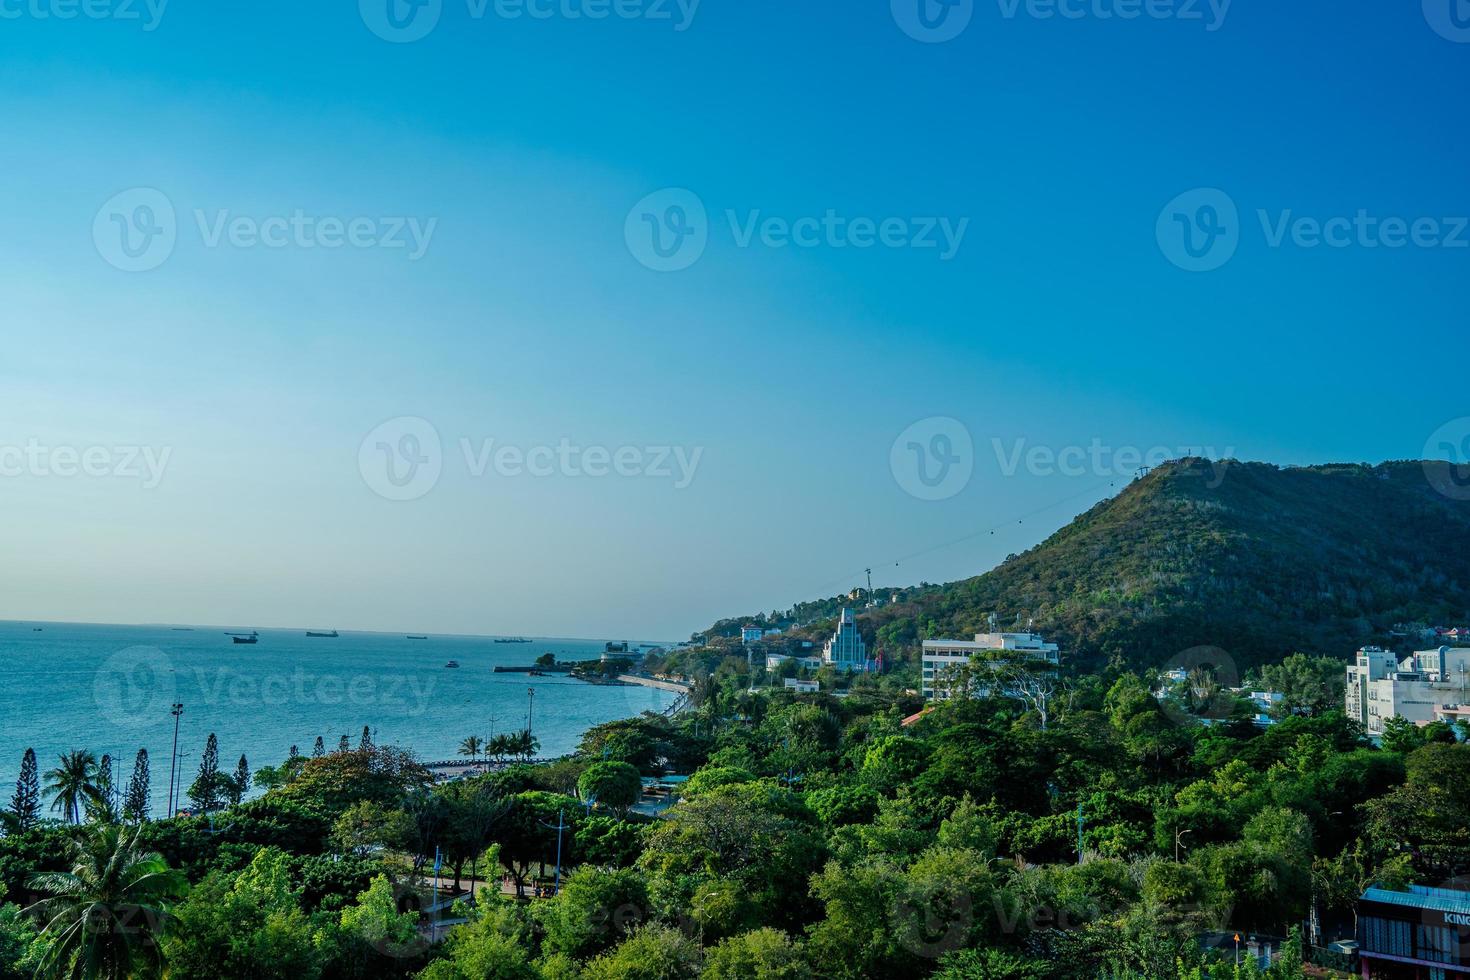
(561,825)
(177,712)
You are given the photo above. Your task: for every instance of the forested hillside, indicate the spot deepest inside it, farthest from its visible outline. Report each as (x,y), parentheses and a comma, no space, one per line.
(1257,559)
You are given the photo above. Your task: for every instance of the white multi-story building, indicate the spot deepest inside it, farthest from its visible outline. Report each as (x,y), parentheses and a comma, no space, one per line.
(1417,689)
(775,660)
(845,650)
(943,658)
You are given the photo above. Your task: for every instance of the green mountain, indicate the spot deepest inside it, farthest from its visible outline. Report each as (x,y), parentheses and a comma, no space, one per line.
(1256,559)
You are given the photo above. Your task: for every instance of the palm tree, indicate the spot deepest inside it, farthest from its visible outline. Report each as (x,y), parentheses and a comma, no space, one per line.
(524,744)
(471,747)
(73,784)
(498,746)
(104,916)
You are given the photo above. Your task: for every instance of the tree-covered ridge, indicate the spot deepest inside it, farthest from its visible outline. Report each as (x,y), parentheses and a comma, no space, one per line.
(1256,559)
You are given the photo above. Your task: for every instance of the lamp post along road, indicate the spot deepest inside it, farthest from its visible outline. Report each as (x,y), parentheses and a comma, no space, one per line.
(177,711)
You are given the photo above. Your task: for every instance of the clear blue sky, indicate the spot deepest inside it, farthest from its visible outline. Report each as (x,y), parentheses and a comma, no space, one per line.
(528,320)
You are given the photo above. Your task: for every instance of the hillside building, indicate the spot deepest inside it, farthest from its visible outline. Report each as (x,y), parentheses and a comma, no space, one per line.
(845,651)
(942,658)
(1421,688)
(1417,933)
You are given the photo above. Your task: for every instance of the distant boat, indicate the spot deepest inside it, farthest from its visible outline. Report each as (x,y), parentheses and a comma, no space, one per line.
(452,663)
(245,639)
(418,637)
(331,634)
(515,639)
(36,629)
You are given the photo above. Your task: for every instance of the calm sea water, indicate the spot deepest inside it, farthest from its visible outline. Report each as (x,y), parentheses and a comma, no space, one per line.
(109,689)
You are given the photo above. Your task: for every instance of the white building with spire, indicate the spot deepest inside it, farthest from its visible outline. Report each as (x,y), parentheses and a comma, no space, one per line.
(845,651)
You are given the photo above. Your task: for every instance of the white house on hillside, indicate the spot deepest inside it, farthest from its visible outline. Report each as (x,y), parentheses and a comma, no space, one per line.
(942,658)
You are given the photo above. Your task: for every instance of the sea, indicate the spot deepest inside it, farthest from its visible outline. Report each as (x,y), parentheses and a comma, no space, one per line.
(110,689)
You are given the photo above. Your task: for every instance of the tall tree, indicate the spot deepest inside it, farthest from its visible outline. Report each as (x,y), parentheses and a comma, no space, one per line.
(73,784)
(105,806)
(137,803)
(318,750)
(25,805)
(294,753)
(471,747)
(365,743)
(343,745)
(240,784)
(102,916)
(205,793)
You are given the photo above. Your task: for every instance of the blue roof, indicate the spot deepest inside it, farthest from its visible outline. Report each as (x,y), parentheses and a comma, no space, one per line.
(1420,897)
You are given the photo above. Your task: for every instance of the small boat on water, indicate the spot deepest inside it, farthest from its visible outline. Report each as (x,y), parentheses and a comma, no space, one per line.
(452,663)
(330,634)
(418,637)
(245,639)
(514,639)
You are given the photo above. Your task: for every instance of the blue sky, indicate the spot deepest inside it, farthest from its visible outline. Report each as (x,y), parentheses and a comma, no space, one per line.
(1060,321)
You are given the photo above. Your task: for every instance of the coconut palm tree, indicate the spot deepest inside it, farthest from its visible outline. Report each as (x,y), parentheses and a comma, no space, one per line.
(471,747)
(73,784)
(104,916)
(498,746)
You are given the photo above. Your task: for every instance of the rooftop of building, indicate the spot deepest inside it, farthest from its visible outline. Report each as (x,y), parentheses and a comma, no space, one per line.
(1422,897)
